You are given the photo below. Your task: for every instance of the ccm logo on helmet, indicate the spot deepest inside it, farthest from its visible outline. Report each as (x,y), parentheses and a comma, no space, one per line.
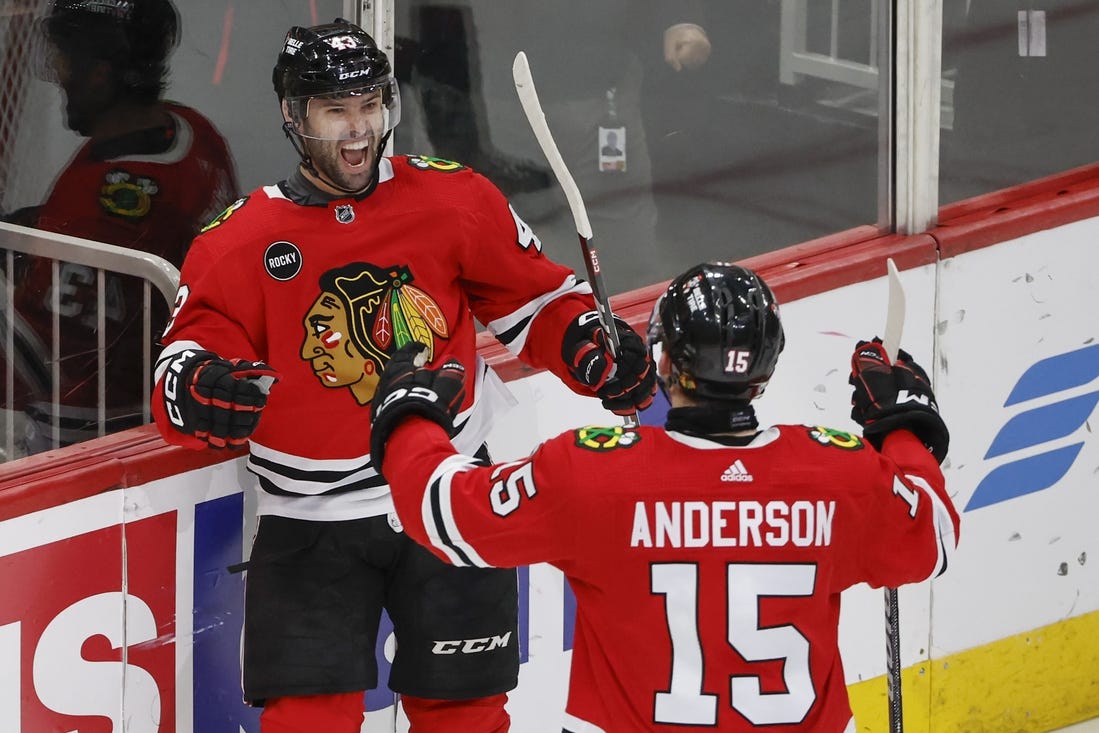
(354,74)
(471,646)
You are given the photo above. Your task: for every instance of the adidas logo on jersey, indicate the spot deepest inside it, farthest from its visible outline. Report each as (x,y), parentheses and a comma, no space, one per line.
(737,472)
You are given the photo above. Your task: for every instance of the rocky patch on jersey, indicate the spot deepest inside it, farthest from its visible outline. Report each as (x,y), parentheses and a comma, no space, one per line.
(835,438)
(282,260)
(127,196)
(426,162)
(363,314)
(599,438)
(223,216)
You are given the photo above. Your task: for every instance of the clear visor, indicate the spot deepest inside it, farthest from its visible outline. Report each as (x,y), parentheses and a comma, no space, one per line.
(355,113)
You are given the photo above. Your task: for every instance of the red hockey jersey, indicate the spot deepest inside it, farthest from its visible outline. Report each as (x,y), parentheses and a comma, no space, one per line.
(324,291)
(707,577)
(153,202)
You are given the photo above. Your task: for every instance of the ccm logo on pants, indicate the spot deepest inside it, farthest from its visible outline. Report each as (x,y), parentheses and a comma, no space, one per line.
(471,646)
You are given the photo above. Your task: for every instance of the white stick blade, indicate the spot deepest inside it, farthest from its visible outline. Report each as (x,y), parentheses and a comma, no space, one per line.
(894,314)
(528,97)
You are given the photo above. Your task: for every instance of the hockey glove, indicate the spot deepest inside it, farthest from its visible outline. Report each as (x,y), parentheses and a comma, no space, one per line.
(406,387)
(894,397)
(219,401)
(625,383)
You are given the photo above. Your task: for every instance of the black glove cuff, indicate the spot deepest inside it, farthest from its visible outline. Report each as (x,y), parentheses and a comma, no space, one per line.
(926,425)
(186,362)
(177,392)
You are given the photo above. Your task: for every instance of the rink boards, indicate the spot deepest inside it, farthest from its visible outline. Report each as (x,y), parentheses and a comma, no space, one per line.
(119,602)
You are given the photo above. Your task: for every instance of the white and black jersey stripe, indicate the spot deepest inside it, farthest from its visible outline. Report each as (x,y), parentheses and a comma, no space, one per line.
(944,526)
(337,489)
(350,488)
(512,330)
(438,515)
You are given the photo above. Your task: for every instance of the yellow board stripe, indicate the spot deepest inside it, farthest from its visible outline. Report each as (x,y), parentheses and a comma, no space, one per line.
(1034,682)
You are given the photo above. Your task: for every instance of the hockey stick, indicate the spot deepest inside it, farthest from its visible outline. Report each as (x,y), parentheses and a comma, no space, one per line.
(894,314)
(528,97)
(891,341)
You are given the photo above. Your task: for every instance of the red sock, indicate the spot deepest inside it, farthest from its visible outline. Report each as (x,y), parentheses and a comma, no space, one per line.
(340,713)
(480,715)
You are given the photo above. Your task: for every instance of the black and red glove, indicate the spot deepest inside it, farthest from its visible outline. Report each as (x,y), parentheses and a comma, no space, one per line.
(897,396)
(217,400)
(626,382)
(407,387)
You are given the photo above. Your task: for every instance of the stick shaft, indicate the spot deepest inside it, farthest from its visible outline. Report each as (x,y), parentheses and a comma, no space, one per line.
(528,97)
(891,340)
(893,660)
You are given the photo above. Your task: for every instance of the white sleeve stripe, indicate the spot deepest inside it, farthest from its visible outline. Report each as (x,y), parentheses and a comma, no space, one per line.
(438,514)
(520,320)
(944,526)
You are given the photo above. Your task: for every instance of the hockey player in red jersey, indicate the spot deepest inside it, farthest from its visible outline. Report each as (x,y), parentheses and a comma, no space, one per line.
(708,572)
(149,176)
(315,282)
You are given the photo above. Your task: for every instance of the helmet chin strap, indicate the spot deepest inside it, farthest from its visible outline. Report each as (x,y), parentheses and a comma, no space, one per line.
(294,137)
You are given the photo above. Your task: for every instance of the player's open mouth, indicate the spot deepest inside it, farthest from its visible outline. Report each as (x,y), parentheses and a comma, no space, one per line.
(355,154)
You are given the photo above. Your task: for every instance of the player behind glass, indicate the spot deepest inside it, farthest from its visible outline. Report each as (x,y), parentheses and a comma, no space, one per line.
(324,276)
(150,174)
(707,556)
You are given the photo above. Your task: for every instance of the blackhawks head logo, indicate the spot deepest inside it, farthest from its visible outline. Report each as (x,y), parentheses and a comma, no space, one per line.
(363,314)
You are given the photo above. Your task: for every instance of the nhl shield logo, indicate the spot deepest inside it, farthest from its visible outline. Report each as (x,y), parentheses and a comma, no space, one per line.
(345,214)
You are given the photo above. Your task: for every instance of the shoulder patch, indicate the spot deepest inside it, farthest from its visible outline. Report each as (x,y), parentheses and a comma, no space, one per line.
(829,437)
(223,216)
(598,438)
(426,162)
(126,195)
(282,260)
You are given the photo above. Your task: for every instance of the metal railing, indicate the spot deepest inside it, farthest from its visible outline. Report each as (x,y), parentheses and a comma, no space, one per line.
(795,59)
(155,272)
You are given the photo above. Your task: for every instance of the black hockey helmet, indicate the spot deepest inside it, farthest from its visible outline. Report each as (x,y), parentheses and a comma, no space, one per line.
(333,59)
(719,325)
(136,36)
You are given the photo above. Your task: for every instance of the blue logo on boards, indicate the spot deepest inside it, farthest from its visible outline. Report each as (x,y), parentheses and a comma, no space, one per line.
(218,615)
(1039,425)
